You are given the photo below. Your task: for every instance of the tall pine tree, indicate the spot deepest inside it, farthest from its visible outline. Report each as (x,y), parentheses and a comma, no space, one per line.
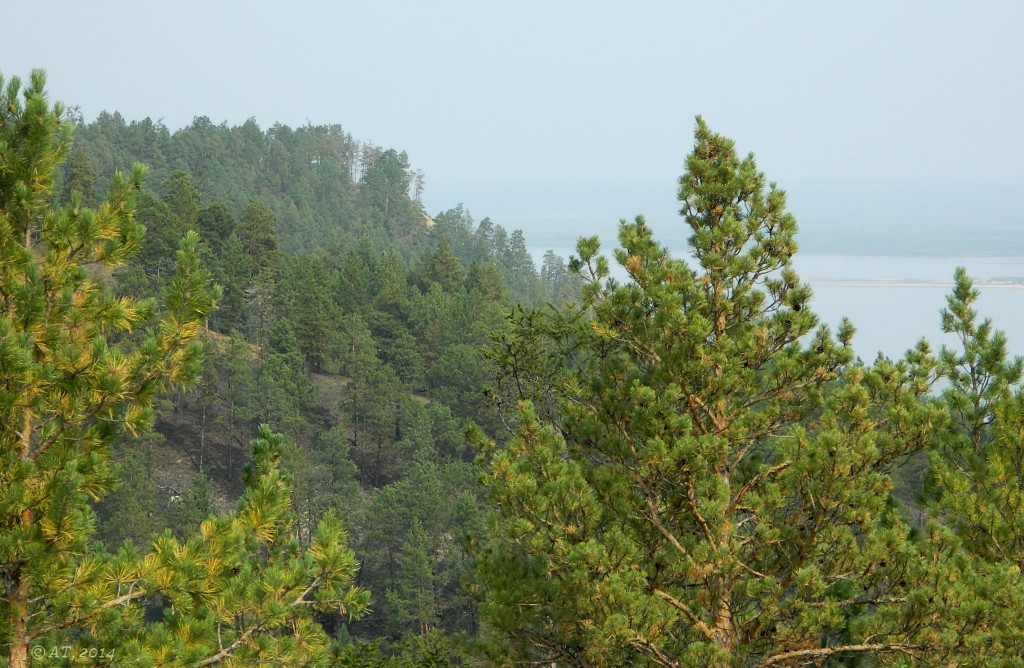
(710,486)
(976,479)
(80,366)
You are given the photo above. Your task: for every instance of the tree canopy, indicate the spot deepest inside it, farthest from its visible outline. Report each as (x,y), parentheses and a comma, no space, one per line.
(701,475)
(82,367)
(680,466)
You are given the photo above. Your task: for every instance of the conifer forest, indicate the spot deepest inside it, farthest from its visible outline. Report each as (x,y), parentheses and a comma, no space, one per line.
(258,407)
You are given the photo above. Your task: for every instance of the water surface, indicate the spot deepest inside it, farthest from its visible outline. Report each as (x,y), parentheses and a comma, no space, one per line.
(894,301)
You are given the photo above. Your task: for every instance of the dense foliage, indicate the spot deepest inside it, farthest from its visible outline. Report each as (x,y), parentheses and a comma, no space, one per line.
(80,367)
(701,478)
(350,320)
(679,469)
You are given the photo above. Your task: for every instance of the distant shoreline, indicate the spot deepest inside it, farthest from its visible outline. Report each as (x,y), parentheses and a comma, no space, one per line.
(563,248)
(895,283)
(897,252)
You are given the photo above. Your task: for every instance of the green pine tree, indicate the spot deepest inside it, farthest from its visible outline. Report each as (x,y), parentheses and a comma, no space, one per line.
(710,486)
(79,177)
(976,462)
(132,509)
(191,507)
(244,591)
(216,223)
(412,600)
(257,232)
(80,366)
(442,267)
(976,479)
(182,197)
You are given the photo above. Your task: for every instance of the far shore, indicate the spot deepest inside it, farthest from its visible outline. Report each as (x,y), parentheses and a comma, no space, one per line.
(900,283)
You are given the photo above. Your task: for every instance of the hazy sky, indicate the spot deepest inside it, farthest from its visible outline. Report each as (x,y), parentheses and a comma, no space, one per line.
(568,96)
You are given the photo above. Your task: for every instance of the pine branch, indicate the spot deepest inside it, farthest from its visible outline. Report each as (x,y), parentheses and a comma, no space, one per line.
(668,535)
(753,481)
(692,504)
(693,402)
(227,651)
(824,652)
(696,621)
(659,656)
(71,621)
(301,598)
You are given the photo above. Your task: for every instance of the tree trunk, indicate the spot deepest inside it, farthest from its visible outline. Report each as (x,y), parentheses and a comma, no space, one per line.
(18,656)
(202,438)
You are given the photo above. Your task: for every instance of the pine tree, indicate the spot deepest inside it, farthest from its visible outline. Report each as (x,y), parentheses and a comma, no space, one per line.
(216,223)
(80,177)
(236,272)
(976,477)
(191,507)
(442,267)
(977,461)
(181,195)
(305,300)
(561,285)
(163,231)
(234,378)
(132,510)
(710,487)
(244,591)
(260,266)
(413,601)
(485,283)
(256,230)
(79,365)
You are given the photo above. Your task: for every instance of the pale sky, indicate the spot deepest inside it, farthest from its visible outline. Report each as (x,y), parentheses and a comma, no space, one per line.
(531,97)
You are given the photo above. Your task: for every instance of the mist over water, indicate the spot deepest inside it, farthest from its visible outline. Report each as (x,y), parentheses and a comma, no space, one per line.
(880,253)
(894,301)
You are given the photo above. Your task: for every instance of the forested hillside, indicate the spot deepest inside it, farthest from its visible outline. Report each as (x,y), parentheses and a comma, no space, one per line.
(350,320)
(260,408)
